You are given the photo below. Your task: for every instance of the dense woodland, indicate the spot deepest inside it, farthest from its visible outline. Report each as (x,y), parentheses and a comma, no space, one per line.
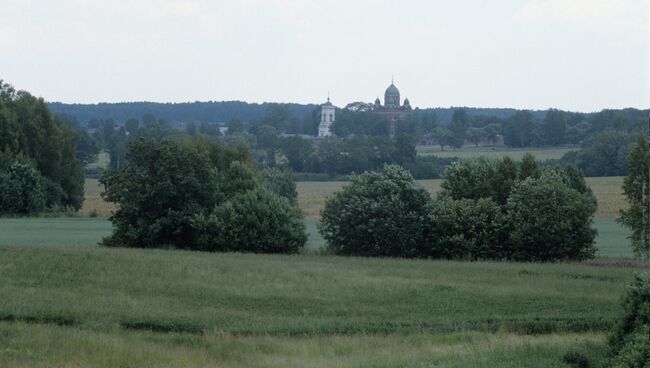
(279,136)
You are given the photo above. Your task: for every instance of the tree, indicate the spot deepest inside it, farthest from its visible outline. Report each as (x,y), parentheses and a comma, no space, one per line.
(630,343)
(257,221)
(637,193)
(502,180)
(190,128)
(442,137)
(234,126)
(604,154)
(132,126)
(86,149)
(297,150)
(280,117)
(267,139)
(458,127)
(159,193)
(22,190)
(554,127)
(404,149)
(281,182)
(475,135)
(468,179)
(209,129)
(529,167)
(378,214)
(467,229)
(518,130)
(550,221)
(197,195)
(29,132)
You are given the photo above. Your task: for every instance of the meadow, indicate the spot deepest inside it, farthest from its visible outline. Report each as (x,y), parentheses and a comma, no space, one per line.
(67,302)
(542,154)
(99,307)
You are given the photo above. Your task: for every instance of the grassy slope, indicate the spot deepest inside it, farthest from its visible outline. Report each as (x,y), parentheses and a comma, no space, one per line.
(88,306)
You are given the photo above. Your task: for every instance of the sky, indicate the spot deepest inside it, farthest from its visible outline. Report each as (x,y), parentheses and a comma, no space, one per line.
(579,55)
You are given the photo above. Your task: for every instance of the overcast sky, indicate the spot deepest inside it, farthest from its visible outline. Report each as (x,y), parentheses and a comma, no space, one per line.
(580,55)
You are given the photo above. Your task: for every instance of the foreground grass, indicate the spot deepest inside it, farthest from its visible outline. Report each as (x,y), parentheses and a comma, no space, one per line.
(101,307)
(173,291)
(47,346)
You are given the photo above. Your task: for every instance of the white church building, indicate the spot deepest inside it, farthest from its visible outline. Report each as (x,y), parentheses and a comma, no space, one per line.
(327,117)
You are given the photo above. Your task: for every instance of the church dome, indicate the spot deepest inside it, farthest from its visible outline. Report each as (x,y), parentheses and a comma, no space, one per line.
(392,90)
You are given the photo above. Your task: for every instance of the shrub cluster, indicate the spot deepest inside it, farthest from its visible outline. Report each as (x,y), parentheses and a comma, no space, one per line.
(488,209)
(630,343)
(378,214)
(202,196)
(22,190)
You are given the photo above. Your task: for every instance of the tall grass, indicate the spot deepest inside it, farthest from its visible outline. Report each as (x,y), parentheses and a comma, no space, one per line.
(102,307)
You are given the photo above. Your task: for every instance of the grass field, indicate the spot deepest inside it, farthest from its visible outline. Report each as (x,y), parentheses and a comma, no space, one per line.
(541,154)
(312,195)
(68,303)
(611,241)
(98,307)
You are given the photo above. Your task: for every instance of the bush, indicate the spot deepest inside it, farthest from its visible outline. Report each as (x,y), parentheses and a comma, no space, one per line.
(550,221)
(281,183)
(199,196)
(469,178)
(467,229)
(158,193)
(257,221)
(378,214)
(21,189)
(630,343)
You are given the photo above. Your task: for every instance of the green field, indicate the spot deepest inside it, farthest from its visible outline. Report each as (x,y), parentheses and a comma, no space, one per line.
(67,302)
(611,241)
(542,154)
(98,307)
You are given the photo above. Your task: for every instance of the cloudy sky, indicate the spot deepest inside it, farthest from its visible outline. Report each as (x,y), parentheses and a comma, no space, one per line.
(581,55)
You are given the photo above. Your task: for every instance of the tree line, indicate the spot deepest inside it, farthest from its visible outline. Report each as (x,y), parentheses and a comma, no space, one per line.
(38,167)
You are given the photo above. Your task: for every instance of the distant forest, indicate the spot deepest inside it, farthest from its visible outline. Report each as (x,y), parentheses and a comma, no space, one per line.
(279,134)
(223,111)
(200,112)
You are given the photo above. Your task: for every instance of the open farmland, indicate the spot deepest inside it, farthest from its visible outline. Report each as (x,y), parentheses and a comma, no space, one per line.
(542,154)
(101,307)
(611,241)
(67,302)
(312,195)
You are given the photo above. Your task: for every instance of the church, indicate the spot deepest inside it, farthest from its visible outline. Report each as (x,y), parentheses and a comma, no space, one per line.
(392,110)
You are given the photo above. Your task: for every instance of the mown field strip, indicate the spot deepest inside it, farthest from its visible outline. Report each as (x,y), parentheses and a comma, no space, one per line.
(542,154)
(611,242)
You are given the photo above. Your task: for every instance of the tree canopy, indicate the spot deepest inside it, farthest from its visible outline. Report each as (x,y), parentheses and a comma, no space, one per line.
(32,135)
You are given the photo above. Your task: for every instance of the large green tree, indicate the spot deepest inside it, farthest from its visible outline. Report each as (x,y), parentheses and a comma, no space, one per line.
(199,195)
(378,214)
(30,132)
(637,192)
